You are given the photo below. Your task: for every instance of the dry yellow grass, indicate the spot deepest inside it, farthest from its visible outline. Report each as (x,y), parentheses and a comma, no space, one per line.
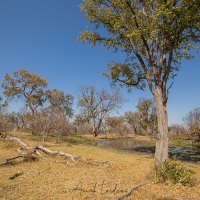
(44,179)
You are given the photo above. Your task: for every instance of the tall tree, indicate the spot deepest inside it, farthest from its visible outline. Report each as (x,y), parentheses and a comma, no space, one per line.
(60,102)
(28,86)
(25,85)
(95,106)
(156,35)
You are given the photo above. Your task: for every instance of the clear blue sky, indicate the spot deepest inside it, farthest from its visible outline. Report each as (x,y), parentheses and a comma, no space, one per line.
(41,36)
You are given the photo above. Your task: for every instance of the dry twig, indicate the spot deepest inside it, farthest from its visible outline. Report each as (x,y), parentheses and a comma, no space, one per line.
(130,191)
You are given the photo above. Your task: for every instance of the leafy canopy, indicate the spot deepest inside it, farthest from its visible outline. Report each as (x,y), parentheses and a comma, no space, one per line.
(155,35)
(28,86)
(60,102)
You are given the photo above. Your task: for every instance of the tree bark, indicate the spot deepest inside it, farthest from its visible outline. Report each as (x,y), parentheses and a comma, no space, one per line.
(94,133)
(161,152)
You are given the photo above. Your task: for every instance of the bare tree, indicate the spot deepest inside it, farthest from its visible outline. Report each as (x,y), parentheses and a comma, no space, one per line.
(177,129)
(6,124)
(49,122)
(95,106)
(192,120)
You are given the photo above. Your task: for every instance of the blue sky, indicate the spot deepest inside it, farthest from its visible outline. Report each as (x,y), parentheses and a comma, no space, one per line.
(41,36)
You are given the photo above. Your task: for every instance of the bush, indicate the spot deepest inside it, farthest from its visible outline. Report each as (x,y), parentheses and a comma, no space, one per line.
(174,172)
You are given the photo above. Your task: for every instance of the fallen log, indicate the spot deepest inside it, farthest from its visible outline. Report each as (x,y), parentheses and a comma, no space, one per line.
(28,154)
(27,151)
(57,153)
(17,140)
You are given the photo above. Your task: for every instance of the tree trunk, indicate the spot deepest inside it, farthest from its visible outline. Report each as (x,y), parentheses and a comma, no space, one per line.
(58,138)
(162,148)
(94,128)
(32,121)
(95,132)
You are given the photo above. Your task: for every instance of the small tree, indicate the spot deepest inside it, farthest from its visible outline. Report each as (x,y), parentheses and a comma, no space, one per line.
(132,118)
(116,126)
(95,106)
(147,115)
(155,35)
(60,102)
(51,122)
(6,124)
(144,120)
(15,118)
(177,129)
(192,120)
(114,122)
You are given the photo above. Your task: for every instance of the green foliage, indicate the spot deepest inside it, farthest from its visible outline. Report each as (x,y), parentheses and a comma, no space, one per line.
(115,122)
(155,36)
(60,102)
(174,172)
(28,86)
(144,120)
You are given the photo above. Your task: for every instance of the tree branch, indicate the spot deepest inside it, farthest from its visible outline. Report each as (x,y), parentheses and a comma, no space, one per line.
(130,191)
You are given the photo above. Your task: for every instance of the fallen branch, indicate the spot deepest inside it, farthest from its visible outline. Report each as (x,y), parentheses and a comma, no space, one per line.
(9,159)
(57,153)
(28,153)
(95,162)
(59,161)
(14,139)
(130,191)
(15,175)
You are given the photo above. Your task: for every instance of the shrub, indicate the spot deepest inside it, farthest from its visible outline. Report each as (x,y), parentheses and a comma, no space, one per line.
(174,172)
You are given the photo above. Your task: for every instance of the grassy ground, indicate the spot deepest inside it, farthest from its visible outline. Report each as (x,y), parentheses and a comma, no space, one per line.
(42,179)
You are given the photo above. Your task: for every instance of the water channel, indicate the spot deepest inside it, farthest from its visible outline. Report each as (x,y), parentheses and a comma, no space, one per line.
(185,154)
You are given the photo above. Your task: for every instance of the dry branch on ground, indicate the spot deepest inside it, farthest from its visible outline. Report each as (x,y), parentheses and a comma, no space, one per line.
(15,175)
(27,152)
(130,191)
